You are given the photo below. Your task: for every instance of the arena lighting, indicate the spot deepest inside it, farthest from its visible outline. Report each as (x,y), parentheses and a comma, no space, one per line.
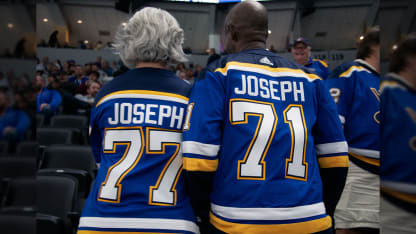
(124,24)
(361,37)
(86,42)
(79,21)
(269,31)
(10,25)
(45,20)
(394,47)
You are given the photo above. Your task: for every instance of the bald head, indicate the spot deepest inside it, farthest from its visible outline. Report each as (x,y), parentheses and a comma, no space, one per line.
(246,27)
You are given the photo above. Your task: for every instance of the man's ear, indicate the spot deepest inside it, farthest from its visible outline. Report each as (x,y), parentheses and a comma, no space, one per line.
(233,32)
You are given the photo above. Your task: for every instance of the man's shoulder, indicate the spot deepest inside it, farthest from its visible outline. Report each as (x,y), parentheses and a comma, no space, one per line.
(156,81)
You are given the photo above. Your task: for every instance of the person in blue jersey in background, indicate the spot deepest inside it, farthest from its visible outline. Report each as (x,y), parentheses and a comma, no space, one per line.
(301,51)
(13,122)
(263,146)
(47,99)
(398,141)
(355,88)
(136,133)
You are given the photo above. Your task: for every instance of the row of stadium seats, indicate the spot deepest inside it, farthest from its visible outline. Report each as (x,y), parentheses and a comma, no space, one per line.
(44,184)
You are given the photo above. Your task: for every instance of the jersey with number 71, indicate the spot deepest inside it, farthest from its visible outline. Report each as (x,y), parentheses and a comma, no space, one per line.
(264,125)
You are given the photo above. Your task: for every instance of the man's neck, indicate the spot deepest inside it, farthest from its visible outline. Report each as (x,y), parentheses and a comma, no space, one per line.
(151,65)
(252,45)
(374,62)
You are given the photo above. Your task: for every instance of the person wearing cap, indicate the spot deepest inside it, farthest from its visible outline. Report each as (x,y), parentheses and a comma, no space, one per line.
(301,51)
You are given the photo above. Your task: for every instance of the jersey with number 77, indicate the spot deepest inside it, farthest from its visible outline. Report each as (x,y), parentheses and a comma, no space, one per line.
(136,127)
(264,125)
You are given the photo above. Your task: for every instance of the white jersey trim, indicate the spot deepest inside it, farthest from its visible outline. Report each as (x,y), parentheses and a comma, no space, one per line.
(142,96)
(332,148)
(365,152)
(342,119)
(268,73)
(400,186)
(139,223)
(297,212)
(193,147)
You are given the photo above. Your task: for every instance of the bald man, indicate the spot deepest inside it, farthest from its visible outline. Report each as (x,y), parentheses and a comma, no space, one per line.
(260,132)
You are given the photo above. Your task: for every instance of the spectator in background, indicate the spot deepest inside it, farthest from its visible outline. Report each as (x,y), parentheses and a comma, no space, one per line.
(47,100)
(198,69)
(106,68)
(180,68)
(53,39)
(213,56)
(301,51)
(92,89)
(93,76)
(189,76)
(87,68)
(97,68)
(79,76)
(99,45)
(13,122)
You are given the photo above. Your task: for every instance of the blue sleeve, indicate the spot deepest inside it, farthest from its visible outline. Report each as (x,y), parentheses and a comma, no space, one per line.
(56,100)
(202,133)
(330,144)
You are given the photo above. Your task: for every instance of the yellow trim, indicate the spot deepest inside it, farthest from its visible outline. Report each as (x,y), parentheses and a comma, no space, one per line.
(197,164)
(187,124)
(292,136)
(118,184)
(376,93)
(147,92)
(306,227)
(263,67)
(164,144)
(400,195)
(107,232)
(388,83)
(322,62)
(330,162)
(349,69)
(371,161)
(245,121)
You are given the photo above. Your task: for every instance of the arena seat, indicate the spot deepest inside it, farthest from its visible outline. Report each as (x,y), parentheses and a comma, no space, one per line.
(18,223)
(56,201)
(76,123)
(74,160)
(12,167)
(50,136)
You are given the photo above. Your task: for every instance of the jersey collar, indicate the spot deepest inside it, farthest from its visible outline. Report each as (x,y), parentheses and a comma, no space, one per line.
(367,66)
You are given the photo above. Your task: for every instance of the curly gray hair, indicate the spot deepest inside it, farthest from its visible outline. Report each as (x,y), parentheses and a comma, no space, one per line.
(151,35)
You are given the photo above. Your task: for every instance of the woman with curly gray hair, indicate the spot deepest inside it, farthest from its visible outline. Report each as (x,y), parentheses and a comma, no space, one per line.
(136,132)
(151,35)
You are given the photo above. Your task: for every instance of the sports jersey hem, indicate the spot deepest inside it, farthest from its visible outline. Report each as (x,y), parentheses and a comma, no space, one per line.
(316,225)
(138,223)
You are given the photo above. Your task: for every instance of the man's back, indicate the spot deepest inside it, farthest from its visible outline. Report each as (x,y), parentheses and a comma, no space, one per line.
(135,135)
(355,88)
(259,121)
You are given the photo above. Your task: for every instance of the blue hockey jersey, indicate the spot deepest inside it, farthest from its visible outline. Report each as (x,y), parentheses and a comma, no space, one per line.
(355,88)
(136,127)
(264,125)
(318,67)
(398,140)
